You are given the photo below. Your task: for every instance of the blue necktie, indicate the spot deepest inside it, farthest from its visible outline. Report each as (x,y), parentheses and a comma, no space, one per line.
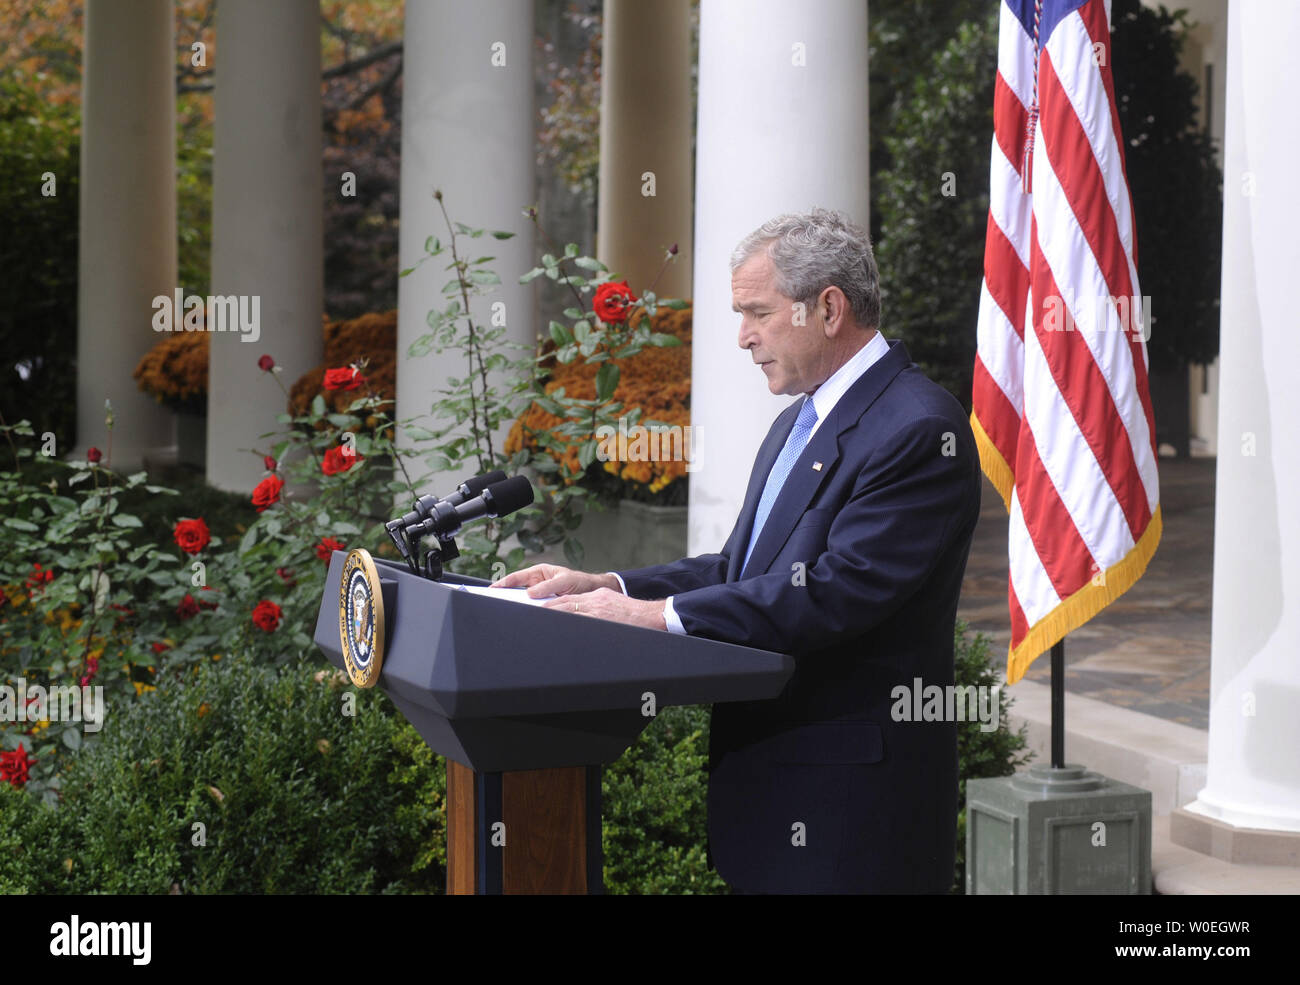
(794,446)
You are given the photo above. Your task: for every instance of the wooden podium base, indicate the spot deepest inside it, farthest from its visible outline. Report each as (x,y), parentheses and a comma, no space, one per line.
(532,831)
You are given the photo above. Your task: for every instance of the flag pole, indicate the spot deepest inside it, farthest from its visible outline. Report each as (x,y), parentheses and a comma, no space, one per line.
(1058,704)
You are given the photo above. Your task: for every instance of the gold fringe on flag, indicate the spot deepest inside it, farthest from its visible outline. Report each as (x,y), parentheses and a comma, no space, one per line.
(1085,603)
(992,462)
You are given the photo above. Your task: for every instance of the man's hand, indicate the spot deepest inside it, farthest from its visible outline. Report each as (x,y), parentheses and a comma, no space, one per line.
(611,604)
(585,594)
(551,579)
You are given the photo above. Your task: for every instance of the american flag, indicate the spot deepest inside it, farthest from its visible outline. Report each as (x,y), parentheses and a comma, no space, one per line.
(1061,404)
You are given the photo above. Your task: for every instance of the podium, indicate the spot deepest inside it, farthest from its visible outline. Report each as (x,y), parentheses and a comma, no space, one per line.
(526,704)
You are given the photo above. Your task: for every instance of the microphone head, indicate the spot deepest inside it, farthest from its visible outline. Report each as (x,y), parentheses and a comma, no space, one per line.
(478,483)
(512,494)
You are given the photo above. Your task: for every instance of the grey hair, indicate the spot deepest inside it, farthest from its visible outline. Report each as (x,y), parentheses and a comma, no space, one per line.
(812,251)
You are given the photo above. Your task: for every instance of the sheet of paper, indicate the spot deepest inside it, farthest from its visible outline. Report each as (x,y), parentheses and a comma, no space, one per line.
(509,594)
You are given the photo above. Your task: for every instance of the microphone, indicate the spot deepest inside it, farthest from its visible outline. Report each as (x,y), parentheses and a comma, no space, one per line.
(424,505)
(498,499)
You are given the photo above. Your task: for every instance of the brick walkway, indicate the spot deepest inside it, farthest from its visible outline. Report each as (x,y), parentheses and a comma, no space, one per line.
(1150,649)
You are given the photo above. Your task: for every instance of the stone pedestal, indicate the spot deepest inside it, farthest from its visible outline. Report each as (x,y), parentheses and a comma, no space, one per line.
(1057,832)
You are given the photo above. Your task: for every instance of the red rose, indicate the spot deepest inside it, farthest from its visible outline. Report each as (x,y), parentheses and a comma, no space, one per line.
(266,364)
(327,546)
(338,460)
(93,455)
(187,608)
(39,577)
(612,301)
(286,575)
(267,616)
(159,647)
(15,766)
(192,535)
(269,463)
(343,379)
(267,492)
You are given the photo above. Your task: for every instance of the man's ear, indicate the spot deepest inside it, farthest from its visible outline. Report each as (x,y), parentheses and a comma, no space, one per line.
(832,309)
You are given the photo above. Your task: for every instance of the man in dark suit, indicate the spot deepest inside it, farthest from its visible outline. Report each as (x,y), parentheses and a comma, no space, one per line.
(848,554)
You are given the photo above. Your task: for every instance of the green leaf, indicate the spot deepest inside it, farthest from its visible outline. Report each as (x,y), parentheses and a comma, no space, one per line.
(676,304)
(72,738)
(560,334)
(573,552)
(248,540)
(550,406)
(318,406)
(502,234)
(606,381)
(21,524)
(590,263)
(664,340)
(126,520)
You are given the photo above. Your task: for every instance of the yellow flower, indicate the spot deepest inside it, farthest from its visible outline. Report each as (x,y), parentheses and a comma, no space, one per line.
(141,687)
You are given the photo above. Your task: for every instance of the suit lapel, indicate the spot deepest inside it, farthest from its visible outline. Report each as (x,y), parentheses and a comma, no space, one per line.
(823,450)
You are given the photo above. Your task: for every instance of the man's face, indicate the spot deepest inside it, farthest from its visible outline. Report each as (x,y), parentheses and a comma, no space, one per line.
(795,358)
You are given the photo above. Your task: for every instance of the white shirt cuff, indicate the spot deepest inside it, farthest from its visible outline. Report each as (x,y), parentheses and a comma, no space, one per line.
(673,623)
(671,620)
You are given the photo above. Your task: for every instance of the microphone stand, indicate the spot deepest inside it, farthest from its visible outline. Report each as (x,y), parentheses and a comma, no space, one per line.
(434,557)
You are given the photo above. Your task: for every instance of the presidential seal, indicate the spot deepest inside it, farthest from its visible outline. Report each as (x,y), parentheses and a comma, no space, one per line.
(361,618)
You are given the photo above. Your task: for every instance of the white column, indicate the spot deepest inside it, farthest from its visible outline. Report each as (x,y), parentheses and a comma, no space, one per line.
(267,239)
(782,127)
(1254,755)
(645,143)
(468,131)
(127,250)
